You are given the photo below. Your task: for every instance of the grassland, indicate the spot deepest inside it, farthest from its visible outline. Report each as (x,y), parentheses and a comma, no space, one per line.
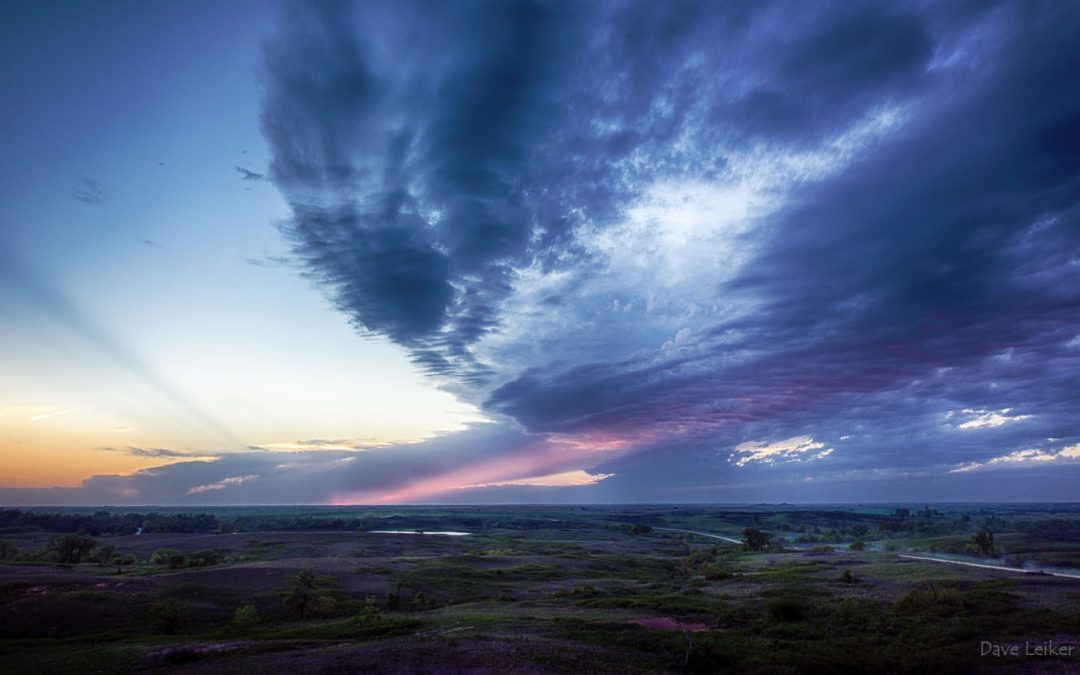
(536,589)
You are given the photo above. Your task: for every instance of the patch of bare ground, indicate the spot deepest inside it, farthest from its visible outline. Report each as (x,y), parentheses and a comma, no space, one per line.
(735,589)
(670,623)
(173,654)
(1039,592)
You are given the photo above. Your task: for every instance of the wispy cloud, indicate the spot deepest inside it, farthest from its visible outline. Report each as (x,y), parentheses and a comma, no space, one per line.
(33,412)
(247,174)
(271,261)
(52,413)
(159,453)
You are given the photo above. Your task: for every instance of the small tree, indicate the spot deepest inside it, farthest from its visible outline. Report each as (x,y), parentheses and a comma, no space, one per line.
(754,539)
(72,548)
(300,597)
(305,594)
(983,541)
(122,560)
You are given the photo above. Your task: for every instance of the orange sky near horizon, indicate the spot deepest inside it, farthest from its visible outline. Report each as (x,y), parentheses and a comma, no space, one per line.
(44,463)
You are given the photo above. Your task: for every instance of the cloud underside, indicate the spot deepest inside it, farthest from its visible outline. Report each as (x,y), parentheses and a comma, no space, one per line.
(576,478)
(794,449)
(646,237)
(981,419)
(1024,458)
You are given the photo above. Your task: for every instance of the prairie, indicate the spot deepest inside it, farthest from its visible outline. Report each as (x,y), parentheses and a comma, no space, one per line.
(537,589)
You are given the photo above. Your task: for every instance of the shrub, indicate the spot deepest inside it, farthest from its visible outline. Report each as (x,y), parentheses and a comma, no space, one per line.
(857,545)
(9,551)
(206,558)
(785,610)
(848,578)
(246,616)
(368,615)
(392,601)
(105,553)
(326,606)
(932,598)
(122,560)
(714,571)
(168,616)
(169,557)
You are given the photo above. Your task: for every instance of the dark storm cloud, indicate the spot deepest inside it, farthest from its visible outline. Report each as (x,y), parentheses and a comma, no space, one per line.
(848,56)
(433,153)
(462,180)
(955,242)
(408,172)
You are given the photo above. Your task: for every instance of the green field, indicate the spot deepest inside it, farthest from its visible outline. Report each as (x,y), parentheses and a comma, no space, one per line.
(536,589)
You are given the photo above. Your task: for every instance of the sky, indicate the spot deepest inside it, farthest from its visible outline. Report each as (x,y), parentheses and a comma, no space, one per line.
(552,252)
